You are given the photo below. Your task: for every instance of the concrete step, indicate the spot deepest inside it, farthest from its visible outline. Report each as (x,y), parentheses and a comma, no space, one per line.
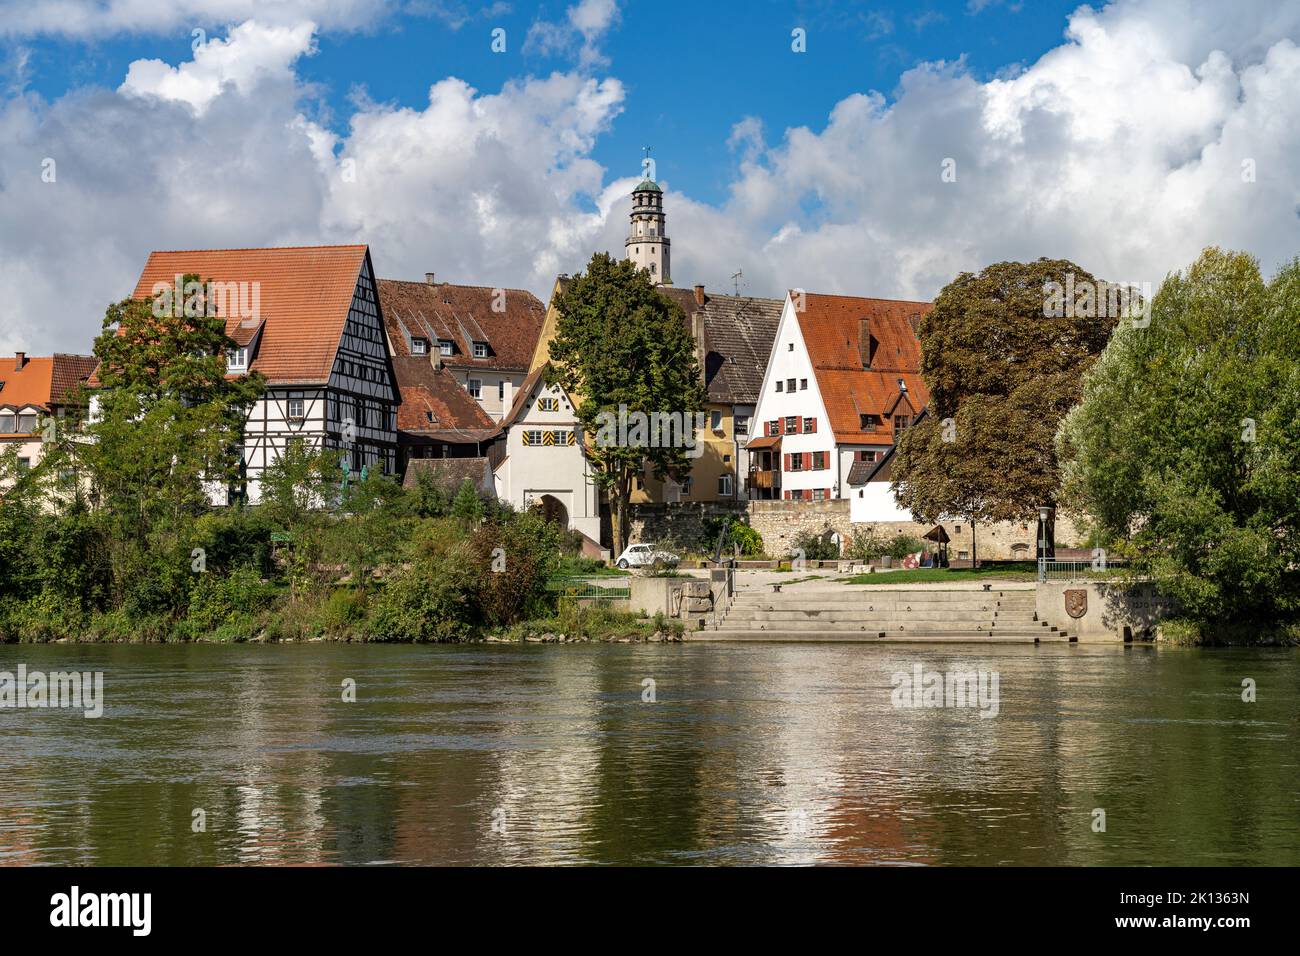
(883,615)
(893,627)
(851,596)
(779,602)
(918,637)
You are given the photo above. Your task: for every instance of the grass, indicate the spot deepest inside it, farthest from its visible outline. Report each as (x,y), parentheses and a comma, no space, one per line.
(1010,571)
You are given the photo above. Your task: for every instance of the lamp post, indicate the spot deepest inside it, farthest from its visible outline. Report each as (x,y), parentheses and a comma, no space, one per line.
(1044,511)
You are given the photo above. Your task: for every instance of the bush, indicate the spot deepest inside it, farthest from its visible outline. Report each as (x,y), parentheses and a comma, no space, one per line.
(430,600)
(750,541)
(815,547)
(217,601)
(513,561)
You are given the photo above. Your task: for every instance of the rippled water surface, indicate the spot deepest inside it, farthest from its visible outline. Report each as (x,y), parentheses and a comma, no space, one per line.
(749,754)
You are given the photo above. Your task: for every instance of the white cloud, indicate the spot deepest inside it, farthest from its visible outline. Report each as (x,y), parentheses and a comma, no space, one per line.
(584,27)
(1121,149)
(93,19)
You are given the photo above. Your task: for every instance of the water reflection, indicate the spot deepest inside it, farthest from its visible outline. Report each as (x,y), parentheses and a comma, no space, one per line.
(750,754)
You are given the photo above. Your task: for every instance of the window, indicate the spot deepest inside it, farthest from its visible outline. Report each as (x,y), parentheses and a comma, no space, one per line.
(237,358)
(796,461)
(819,460)
(819,494)
(444,346)
(480,350)
(789,385)
(419,346)
(724,485)
(774,427)
(790,347)
(715,421)
(901,422)
(475,387)
(810,424)
(501,390)
(791,425)
(24,464)
(686,486)
(780,385)
(803,384)
(7,423)
(868,423)
(742,425)
(548,404)
(534,438)
(295,408)
(26,424)
(867,456)
(428,416)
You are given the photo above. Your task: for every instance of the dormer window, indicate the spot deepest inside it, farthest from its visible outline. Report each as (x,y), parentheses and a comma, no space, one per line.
(480,350)
(444,346)
(419,346)
(868,423)
(237,359)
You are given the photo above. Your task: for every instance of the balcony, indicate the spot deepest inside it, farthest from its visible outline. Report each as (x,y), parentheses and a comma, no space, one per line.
(766,480)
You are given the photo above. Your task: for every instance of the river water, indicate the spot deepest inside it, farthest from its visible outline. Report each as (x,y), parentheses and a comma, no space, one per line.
(748,754)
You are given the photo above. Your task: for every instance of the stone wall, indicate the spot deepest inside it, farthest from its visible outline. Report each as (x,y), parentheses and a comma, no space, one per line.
(681,526)
(1106,612)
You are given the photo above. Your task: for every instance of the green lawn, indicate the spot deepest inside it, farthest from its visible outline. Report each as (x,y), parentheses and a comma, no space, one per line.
(1012,571)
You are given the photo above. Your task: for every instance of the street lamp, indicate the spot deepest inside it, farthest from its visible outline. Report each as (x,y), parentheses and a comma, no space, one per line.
(1044,511)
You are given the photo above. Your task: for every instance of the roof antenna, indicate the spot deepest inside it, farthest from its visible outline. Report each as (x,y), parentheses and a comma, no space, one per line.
(735,280)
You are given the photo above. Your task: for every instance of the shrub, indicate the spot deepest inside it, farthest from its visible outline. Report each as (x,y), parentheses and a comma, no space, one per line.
(216,601)
(815,547)
(431,599)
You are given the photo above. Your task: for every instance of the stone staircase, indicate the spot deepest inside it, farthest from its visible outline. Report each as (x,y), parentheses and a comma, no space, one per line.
(854,614)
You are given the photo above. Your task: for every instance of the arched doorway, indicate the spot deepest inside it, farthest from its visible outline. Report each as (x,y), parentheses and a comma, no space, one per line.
(553,510)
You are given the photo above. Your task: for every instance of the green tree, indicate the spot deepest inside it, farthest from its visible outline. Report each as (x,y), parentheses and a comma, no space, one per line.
(1003,358)
(169,425)
(467,505)
(622,348)
(1185,450)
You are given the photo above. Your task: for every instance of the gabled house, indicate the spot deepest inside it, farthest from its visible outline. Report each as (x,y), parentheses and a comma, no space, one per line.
(484,337)
(310,321)
(544,462)
(33,390)
(843,379)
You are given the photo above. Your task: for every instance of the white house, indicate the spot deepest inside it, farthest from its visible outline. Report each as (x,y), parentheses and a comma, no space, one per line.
(545,465)
(32,391)
(309,320)
(842,381)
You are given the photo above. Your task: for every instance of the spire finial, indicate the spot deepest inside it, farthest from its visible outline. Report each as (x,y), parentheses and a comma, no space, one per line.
(647,165)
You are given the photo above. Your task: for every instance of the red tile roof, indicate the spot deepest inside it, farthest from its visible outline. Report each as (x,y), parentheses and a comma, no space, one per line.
(305,294)
(832,327)
(426,391)
(464,314)
(42,382)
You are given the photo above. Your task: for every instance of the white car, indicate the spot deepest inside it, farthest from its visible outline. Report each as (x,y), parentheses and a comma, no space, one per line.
(646,556)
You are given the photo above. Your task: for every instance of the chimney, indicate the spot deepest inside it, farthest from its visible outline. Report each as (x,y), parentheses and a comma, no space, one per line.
(866,342)
(428,277)
(699,295)
(20,359)
(701,347)
(507,396)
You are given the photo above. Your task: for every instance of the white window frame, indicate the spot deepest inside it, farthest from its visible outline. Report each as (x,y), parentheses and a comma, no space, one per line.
(419,346)
(237,359)
(445,347)
(480,350)
(475,388)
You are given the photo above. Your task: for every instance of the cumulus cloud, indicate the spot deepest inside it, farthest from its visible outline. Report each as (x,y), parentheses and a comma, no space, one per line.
(99,18)
(584,26)
(1155,128)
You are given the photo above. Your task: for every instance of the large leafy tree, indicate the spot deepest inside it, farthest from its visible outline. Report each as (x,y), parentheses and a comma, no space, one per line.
(1185,449)
(1004,360)
(619,344)
(168,427)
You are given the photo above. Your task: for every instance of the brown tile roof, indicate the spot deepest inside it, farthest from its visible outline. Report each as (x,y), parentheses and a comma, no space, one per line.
(832,327)
(427,391)
(738,335)
(464,315)
(43,382)
(451,473)
(521,396)
(305,294)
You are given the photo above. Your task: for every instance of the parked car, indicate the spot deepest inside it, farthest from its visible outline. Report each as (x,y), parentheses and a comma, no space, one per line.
(646,556)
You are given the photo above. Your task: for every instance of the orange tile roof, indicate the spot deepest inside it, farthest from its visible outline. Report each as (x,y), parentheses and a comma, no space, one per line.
(464,314)
(305,293)
(43,382)
(832,332)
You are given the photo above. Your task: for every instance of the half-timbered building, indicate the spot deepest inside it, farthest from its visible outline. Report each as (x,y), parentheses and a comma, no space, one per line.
(309,319)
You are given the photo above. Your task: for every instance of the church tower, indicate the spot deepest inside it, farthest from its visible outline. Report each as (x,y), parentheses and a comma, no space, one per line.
(647,244)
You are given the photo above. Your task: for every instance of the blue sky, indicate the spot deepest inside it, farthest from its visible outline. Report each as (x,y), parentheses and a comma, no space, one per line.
(740,51)
(1126,136)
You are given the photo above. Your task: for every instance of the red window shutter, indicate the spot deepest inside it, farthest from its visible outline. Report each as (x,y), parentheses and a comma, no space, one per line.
(807,461)
(807,494)
(814,426)
(785,462)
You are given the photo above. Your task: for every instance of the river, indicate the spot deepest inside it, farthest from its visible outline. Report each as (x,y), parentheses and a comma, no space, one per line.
(748,754)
